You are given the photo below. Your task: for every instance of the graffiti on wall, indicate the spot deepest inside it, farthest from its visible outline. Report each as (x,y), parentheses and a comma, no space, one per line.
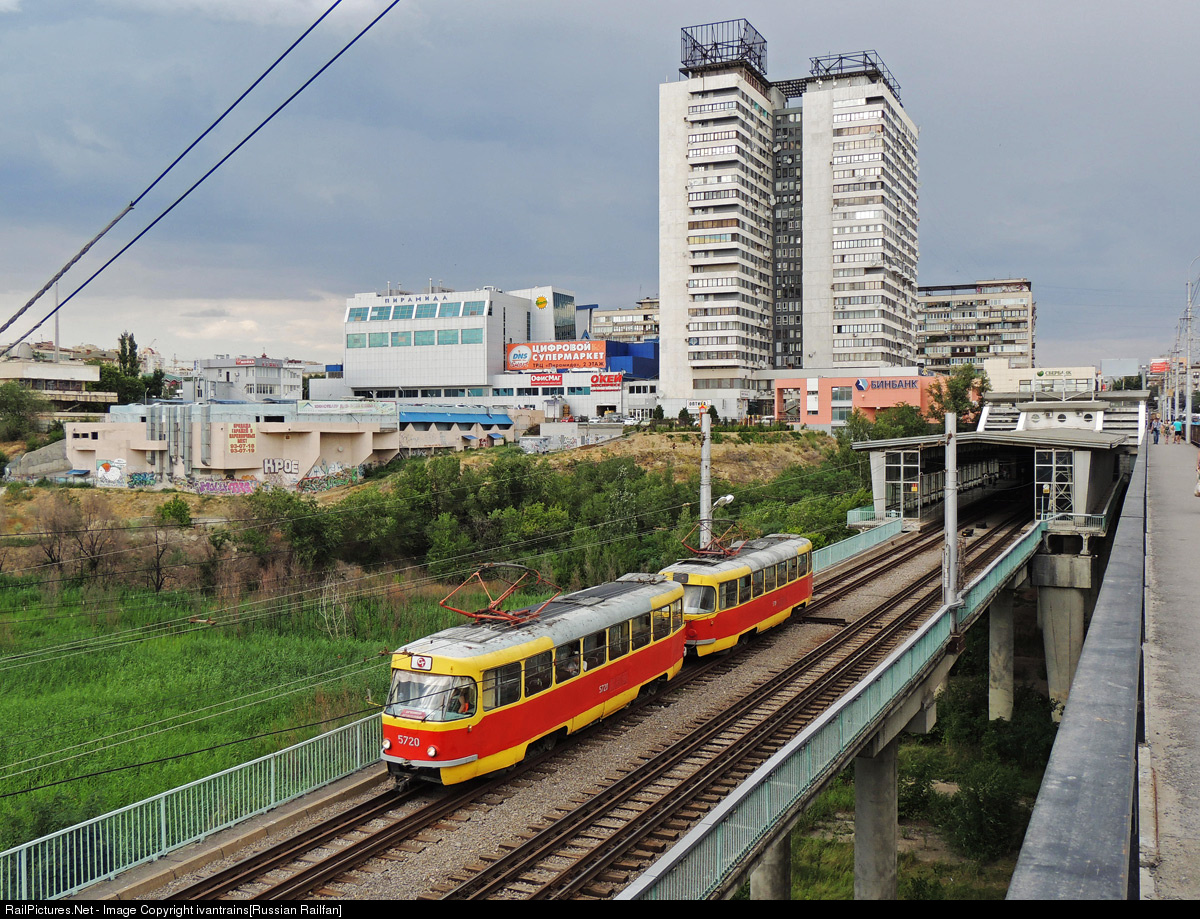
(214,486)
(285,466)
(223,487)
(110,472)
(325,476)
(140,479)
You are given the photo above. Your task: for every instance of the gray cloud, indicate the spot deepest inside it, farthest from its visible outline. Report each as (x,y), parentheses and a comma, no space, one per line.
(516,143)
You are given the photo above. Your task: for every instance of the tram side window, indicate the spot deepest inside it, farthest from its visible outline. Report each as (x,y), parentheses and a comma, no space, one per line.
(662,622)
(744,589)
(729,594)
(641,631)
(758,583)
(501,686)
(618,640)
(769,578)
(805,564)
(793,568)
(566,662)
(593,650)
(539,673)
(676,615)
(781,573)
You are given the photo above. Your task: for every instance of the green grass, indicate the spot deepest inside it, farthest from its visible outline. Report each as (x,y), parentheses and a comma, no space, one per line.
(112,697)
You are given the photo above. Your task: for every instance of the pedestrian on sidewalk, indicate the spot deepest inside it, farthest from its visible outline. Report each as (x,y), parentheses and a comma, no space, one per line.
(1154,428)
(1178,430)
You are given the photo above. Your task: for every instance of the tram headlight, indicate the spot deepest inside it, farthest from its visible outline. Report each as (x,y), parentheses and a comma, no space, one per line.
(431,751)
(387,744)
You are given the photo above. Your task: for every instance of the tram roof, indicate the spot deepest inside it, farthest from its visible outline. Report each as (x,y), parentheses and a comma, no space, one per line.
(776,547)
(1067,439)
(566,618)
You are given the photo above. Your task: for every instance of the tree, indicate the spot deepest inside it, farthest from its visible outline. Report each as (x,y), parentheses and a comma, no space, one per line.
(685,417)
(1127,383)
(19,410)
(959,393)
(901,420)
(712,413)
(658,414)
(127,355)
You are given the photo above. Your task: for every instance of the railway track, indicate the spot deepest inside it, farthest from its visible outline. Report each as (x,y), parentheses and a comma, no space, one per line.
(666,798)
(595,849)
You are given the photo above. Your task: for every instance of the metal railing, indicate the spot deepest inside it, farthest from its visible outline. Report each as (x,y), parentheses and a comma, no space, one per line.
(1099,522)
(712,854)
(65,862)
(839,552)
(860,515)
(69,860)
(1082,839)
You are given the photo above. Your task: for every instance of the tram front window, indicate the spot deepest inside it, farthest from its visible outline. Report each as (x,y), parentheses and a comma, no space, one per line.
(429,697)
(699,599)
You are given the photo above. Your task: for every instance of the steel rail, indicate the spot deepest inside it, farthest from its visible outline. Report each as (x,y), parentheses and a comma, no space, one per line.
(496,877)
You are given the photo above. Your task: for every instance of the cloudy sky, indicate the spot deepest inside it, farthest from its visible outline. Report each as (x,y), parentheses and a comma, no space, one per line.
(514,142)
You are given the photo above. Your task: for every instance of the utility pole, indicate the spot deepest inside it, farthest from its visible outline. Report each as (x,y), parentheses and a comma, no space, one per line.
(950,560)
(705,479)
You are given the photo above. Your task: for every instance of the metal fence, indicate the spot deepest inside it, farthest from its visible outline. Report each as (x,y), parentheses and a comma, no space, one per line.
(101,848)
(65,862)
(841,551)
(860,515)
(710,856)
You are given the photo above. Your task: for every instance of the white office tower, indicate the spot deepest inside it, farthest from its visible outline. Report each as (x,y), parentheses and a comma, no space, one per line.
(715,187)
(787,220)
(845,218)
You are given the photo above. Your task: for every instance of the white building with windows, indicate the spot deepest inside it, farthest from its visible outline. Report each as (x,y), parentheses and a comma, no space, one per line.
(499,350)
(788,220)
(225,378)
(976,322)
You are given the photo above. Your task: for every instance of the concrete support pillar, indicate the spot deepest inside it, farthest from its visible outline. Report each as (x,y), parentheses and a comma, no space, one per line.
(771,878)
(876,827)
(1000,656)
(1062,610)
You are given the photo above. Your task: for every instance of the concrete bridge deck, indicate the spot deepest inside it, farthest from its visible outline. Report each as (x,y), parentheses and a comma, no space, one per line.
(1170,801)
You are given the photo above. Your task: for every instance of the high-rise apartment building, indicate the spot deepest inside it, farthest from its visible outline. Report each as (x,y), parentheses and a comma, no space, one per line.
(787,219)
(971,323)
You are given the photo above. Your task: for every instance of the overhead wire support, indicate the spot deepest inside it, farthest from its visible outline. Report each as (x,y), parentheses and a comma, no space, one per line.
(132,204)
(204,177)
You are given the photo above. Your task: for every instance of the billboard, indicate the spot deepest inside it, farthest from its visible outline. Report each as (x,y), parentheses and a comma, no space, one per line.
(606,382)
(555,355)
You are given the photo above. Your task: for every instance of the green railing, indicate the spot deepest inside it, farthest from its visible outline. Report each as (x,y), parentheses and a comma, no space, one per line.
(839,552)
(705,861)
(860,515)
(65,862)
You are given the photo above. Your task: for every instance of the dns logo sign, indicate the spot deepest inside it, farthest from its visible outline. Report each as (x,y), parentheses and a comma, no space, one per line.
(520,356)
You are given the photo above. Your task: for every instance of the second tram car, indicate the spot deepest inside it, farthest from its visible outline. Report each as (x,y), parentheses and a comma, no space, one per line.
(728,596)
(472,699)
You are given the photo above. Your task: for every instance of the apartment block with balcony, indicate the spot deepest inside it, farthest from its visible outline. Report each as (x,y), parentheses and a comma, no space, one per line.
(975,322)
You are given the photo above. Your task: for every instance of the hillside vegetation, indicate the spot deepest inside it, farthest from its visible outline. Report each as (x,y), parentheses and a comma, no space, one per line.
(151,638)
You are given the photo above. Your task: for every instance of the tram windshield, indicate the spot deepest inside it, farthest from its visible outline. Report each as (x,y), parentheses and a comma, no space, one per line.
(430,697)
(699,599)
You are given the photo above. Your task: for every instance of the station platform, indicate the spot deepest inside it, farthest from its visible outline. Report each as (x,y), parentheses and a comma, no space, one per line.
(1170,774)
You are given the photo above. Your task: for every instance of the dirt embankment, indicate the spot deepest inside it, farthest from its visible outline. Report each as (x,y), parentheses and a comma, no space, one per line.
(733,460)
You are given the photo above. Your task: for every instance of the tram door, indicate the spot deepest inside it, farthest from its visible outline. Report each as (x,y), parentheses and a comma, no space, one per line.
(902,483)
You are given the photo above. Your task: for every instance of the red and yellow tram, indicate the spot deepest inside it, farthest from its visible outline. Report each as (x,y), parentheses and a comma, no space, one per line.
(752,586)
(475,698)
